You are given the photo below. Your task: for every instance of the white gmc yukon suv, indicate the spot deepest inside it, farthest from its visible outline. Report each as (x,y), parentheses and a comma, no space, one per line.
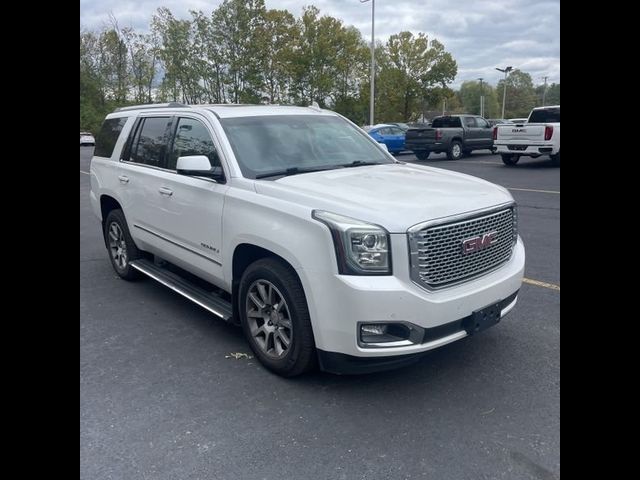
(297,225)
(539,135)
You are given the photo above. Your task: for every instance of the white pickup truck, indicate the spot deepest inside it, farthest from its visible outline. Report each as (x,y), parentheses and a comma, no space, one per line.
(540,135)
(295,224)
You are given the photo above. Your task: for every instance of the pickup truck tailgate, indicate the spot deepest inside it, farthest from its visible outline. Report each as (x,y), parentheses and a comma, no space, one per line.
(524,133)
(417,138)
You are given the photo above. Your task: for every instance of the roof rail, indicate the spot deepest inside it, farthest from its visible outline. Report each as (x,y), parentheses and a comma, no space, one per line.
(152,105)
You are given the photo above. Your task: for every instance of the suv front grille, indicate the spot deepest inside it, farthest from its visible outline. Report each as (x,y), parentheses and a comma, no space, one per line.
(437,256)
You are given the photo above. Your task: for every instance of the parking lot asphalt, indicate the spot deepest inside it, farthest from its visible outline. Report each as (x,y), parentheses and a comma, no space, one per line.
(159,399)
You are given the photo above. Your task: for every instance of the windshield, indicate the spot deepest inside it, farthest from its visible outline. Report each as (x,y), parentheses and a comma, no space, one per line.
(546,115)
(277,143)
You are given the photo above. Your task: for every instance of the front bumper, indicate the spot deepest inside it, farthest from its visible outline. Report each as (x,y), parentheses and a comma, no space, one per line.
(338,303)
(526,150)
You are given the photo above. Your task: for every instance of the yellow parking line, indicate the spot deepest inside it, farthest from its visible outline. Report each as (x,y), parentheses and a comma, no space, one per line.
(532,190)
(538,283)
(86,173)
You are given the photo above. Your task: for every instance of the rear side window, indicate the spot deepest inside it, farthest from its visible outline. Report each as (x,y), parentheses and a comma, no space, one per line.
(150,142)
(470,122)
(547,115)
(108,136)
(446,122)
(192,138)
(482,123)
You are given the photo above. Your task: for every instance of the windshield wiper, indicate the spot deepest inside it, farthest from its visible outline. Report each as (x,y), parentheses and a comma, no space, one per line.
(298,170)
(292,171)
(361,163)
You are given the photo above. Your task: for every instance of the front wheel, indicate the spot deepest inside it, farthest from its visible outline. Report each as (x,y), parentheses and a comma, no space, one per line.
(122,250)
(455,151)
(422,155)
(275,318)
(509,159)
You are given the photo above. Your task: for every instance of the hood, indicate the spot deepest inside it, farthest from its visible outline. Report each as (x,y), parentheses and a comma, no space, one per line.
(396,196)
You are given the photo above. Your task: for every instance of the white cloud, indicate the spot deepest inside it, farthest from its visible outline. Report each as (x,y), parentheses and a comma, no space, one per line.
(480,34)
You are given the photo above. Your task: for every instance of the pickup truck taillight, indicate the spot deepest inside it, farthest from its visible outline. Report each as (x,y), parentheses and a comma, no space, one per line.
(438,134)
(495,133)
(548,132)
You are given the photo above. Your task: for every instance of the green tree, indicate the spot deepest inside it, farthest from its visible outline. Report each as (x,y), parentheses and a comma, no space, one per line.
(521,95)
(551,98)
(410,67)
(277,36)
(469,95)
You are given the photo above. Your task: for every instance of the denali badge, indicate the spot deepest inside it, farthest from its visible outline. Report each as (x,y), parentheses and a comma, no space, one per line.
(479,243)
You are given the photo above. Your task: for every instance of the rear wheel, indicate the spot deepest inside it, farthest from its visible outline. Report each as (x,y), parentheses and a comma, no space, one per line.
(455,150)
(122,250)
(275,318)
(510,159)
(555,159)
(422,155)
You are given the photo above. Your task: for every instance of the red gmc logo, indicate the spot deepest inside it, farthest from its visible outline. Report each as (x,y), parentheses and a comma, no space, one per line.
(480,242)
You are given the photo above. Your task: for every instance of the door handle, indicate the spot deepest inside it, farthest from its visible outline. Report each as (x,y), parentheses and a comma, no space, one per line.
(123,179)
(165,191)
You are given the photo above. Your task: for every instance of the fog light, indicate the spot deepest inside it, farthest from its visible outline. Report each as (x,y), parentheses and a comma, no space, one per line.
(373,329)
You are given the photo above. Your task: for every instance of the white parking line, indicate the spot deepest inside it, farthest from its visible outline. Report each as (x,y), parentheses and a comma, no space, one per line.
(538,283)
(532,190)
(86,173)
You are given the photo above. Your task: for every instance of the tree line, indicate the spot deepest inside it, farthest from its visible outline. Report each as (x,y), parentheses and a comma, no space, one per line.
(243,52)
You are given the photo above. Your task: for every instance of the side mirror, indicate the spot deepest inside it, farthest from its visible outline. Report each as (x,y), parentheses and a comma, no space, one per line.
(198,166)
(383,146)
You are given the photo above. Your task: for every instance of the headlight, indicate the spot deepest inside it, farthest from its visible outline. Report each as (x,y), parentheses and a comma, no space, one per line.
(361,248)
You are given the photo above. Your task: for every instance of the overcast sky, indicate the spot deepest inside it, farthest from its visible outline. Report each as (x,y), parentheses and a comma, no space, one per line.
(481,34)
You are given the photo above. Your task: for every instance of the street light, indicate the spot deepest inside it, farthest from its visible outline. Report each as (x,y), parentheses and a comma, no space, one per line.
(504,93)
(481,99)
(373,58)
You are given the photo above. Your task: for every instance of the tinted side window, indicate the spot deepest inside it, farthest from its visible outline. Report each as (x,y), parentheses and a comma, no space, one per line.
(150,145)
(470,122)
(192,138)
(108,136)
(482,123)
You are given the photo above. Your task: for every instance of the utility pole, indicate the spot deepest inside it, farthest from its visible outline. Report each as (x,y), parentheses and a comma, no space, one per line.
(481,99)
(504,93)
(373,60)
(544,92)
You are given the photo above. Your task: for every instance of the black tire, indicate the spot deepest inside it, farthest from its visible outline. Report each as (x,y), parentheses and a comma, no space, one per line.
(301,355)
(124,270)
(510,159)
(555,159)
(422,155)
(455,151)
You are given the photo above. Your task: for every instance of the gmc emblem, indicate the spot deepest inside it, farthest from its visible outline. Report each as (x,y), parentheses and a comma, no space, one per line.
(480,242)
(518,130)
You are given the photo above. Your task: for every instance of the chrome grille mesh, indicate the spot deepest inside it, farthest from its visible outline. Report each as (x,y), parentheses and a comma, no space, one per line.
(436,252)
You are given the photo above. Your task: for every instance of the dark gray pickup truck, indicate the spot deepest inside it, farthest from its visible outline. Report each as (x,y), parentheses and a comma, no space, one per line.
(457,135)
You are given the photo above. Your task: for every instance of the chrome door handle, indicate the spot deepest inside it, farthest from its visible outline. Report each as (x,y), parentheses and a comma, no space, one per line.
(165,191)
(123,179)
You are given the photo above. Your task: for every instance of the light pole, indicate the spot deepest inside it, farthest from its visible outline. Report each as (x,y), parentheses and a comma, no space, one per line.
(373,59)
(481,99)
(504,93)
(544,92)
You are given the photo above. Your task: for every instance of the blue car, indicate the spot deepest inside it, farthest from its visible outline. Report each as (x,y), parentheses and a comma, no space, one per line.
(391,135)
